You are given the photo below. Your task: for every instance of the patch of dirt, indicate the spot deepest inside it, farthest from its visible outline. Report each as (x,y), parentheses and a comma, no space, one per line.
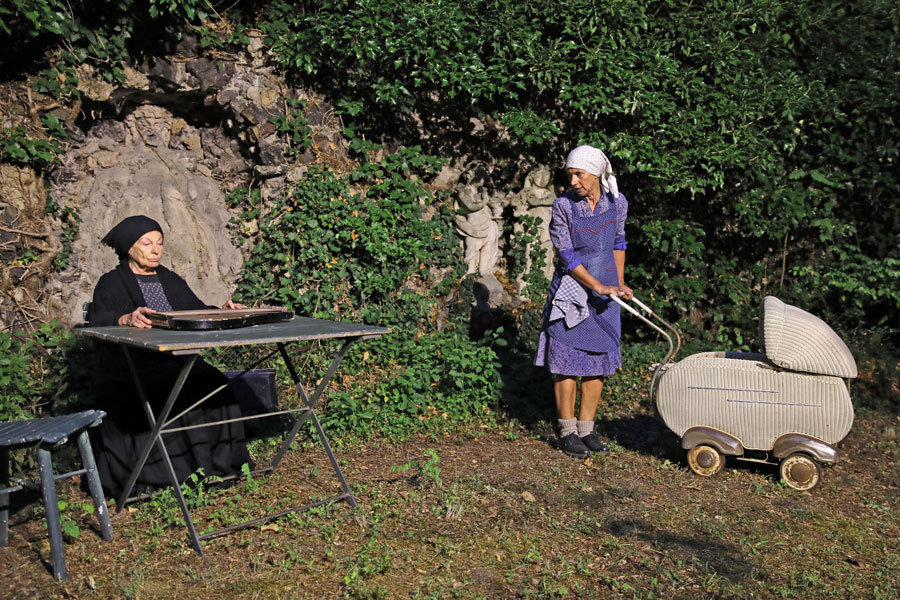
(502,514)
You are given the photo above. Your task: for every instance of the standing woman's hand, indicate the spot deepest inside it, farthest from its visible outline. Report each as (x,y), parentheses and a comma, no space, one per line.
(608,290)
(626,292)
(138,318)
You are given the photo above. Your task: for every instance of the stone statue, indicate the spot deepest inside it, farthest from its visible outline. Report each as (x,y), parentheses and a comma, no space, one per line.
(538,191)
(478,224)
(536,199)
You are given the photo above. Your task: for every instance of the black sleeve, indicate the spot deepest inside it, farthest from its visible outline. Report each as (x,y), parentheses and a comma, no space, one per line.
(111,301)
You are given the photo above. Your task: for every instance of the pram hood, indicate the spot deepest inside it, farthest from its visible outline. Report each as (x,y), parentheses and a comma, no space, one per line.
(796,340)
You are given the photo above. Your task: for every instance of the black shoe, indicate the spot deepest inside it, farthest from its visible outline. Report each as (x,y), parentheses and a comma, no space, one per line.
(593,443)
(574,447)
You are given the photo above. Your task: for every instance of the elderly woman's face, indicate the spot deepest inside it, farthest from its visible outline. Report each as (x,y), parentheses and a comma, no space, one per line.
(145,254)
(583,182)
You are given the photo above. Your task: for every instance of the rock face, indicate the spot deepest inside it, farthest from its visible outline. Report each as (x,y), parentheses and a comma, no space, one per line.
(169,143)
(27,247)
(115,173)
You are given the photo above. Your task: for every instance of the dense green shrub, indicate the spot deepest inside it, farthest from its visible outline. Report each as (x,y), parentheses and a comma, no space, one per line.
(376,246)
(328,251)
(34,371)
(756,143)
(106,35)
(879,372)
(433,382)
(755,140)
(43,372)
(19,148)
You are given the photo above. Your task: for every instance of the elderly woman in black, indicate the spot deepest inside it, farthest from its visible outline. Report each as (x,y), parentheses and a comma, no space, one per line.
(138,286)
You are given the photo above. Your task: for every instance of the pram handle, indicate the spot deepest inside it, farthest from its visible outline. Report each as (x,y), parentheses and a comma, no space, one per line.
(640,316)
(674,347)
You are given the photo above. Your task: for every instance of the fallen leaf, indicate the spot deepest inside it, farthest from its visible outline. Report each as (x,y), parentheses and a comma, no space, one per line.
(527,496)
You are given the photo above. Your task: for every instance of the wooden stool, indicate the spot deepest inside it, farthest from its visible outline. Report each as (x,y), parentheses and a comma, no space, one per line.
(46,435)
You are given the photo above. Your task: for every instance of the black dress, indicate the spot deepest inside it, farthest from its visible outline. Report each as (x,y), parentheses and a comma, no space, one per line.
(217,450)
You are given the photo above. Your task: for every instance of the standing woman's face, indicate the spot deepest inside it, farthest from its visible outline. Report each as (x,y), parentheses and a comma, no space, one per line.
(145,254)
(584,183)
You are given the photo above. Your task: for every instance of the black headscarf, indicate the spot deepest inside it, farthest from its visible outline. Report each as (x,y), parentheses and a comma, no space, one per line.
(123,236)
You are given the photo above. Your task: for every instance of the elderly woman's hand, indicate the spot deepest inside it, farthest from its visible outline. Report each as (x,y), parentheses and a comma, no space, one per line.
(232,305)
(137,318)
(608,290)
(626,292)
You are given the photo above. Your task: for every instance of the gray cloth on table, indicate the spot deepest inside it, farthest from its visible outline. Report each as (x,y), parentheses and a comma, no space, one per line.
(570,302)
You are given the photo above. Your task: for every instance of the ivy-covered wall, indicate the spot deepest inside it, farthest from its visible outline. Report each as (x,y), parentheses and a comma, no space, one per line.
(755,139)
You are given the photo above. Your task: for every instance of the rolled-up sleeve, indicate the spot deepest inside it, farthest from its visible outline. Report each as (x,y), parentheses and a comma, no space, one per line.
(561,233)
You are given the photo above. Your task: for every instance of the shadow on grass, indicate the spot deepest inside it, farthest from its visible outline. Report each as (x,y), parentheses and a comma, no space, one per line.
(721,558)
(644,434)
(528,398)
(647,435)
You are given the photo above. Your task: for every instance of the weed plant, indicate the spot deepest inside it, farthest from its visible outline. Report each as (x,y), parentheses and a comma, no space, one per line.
(36,371)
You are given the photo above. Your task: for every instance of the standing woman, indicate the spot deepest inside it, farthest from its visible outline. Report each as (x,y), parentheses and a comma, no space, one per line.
(139,286)
(581,324)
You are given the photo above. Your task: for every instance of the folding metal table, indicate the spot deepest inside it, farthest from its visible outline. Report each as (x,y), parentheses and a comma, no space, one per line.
(189,344)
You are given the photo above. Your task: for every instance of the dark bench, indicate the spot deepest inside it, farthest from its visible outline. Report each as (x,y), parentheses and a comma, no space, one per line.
(46,435)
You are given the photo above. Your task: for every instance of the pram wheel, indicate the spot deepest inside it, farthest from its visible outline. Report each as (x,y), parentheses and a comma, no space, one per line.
(705,460)
(800,472)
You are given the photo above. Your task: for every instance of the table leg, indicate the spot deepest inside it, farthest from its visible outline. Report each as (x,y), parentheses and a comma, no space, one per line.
(334,462)
(309,413)
(156,422)
(309,401)
(176,485)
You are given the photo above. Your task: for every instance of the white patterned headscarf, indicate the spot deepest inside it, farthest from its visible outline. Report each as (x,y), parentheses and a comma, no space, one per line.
(593,161)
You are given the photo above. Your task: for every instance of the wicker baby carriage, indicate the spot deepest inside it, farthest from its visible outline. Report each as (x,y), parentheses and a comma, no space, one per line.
(788,405)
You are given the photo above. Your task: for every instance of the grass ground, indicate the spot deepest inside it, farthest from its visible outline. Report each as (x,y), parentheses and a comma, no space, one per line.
(500,513)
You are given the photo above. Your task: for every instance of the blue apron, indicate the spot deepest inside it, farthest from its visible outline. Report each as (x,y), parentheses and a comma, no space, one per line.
(593,237)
